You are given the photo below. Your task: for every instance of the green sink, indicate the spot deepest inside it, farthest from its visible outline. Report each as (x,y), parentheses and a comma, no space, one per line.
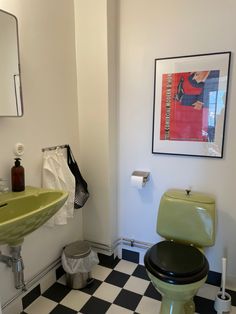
(23,212)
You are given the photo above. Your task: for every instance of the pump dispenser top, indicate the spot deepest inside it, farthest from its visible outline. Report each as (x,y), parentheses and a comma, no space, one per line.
(17,176)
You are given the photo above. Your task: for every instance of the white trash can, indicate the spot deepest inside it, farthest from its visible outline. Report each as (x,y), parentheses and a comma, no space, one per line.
(77,261)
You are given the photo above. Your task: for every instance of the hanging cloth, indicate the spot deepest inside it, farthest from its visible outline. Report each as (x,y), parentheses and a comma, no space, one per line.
(81,187)
(57,175)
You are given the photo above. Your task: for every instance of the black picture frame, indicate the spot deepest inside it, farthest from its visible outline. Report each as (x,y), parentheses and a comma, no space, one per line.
(189,104)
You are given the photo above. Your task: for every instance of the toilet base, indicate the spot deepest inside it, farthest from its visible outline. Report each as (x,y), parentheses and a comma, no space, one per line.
(176,307)
(176,299)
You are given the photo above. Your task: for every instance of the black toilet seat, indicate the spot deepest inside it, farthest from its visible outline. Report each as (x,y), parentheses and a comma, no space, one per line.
(176,263)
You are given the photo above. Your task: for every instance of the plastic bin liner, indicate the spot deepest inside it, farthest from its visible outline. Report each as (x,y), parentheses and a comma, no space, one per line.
(82,265)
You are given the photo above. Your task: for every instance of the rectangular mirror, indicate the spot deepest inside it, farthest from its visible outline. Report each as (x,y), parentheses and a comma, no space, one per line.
(11,104)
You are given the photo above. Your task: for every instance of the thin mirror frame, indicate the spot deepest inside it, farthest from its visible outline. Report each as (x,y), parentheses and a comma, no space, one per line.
(18,92)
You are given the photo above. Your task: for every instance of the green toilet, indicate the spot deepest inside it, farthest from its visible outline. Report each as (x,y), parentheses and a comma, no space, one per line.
(177,266)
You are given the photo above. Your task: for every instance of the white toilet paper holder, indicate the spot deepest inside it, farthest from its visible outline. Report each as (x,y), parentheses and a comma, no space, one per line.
(144,174)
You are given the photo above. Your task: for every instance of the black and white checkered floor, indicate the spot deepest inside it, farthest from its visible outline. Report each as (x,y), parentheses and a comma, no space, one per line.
(121,288)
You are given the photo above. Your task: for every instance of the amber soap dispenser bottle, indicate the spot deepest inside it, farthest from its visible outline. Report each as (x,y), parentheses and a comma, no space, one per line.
(17,176)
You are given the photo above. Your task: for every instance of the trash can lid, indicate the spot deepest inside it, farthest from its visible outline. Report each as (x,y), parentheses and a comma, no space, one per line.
(78,249)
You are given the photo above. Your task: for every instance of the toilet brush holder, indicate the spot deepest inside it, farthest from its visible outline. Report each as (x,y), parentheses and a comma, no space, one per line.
(222,303)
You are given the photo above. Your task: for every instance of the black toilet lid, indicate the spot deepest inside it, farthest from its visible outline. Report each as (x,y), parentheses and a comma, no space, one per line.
(176,262)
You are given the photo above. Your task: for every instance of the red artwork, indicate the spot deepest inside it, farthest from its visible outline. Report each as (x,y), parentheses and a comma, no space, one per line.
(186,100)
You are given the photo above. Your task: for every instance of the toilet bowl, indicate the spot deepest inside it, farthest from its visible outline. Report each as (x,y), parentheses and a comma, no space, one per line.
(176,266)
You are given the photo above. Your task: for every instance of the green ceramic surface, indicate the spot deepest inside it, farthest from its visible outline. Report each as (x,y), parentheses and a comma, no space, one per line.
(177,299)
(23,212)
(187,218)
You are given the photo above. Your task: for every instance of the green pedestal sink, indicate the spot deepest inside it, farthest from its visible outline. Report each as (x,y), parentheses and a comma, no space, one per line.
(23,212)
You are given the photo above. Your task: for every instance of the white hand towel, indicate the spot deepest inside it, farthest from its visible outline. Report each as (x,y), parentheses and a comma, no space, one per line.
(69,181)
(57,175)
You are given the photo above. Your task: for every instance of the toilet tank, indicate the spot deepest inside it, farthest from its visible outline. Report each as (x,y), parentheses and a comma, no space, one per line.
(187,218)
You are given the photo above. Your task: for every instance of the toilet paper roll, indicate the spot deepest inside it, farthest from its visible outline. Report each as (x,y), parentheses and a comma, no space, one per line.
(137,182)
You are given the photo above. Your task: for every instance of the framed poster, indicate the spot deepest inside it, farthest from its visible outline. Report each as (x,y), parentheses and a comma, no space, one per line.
(189,107)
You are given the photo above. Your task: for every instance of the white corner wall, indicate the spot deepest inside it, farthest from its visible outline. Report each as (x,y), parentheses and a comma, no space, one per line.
(95,37)
(154,29)
(47,51)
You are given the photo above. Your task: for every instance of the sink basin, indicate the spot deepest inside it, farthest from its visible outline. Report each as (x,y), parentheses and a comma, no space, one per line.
(23,212)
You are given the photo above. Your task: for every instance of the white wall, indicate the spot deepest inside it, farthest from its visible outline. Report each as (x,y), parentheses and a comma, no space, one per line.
(97,115)
(154,29)
(47,51)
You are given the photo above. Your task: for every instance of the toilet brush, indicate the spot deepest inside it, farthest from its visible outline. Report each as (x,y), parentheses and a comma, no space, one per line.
(223,299)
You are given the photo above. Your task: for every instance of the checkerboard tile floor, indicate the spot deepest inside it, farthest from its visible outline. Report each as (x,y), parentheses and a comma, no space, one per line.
(121,288)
